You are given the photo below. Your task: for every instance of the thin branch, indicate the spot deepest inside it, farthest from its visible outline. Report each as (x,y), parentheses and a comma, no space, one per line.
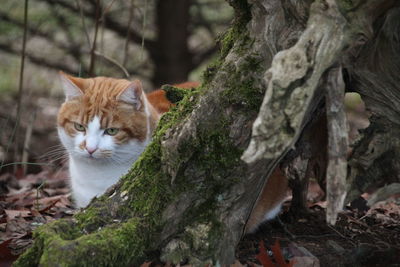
(27,141)
(85,30)
(26,163)
(128,35)
(113,61)
(21,80)
(96,30)
(107,9)
(143,29)
(111,23)
(102,22)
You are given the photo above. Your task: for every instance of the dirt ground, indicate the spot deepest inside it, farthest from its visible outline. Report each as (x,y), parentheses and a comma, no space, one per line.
(360,238)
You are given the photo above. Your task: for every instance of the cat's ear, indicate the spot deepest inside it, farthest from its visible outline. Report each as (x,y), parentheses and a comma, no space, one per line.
(72,86)
(133,94)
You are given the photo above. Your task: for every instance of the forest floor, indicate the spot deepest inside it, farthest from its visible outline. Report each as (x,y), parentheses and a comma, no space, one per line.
(361,237)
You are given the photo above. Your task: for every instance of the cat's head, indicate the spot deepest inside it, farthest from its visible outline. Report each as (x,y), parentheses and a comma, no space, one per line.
(104,119)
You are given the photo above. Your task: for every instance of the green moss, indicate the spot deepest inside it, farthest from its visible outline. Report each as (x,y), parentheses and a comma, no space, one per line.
(30,257)
(112,246)
(211,69)
(348,5)
(242,88)
(45,235)
(236,32)
(91,219)
(174,94)
(94,250)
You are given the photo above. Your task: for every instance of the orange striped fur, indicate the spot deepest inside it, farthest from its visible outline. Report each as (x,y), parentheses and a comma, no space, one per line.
(100,99)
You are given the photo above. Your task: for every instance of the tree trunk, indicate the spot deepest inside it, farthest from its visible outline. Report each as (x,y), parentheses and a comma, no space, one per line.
(189,195)
(174,60)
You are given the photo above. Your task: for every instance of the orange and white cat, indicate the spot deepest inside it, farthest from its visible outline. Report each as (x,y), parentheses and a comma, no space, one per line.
(105,124)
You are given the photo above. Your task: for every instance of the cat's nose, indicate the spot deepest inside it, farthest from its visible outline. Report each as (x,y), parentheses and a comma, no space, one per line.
(91,150)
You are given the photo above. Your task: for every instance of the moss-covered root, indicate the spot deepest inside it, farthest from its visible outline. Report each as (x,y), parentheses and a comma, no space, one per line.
(111,246)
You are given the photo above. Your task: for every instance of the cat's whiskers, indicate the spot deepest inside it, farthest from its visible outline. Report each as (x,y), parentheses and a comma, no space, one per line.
(121,160)
(52,150)
(56,153)
(113,162)
(106,153)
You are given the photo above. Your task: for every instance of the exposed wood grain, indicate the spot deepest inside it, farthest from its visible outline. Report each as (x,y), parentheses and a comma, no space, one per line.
(337,144)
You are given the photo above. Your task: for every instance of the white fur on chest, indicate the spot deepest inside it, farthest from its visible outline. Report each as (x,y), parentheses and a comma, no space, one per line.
(91,176)
(90,179)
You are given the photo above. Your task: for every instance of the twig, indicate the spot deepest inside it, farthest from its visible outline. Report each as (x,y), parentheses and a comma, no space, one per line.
(108,8)
(85,30)
(143,30)
(21,81)
(340,234)
(37,195)
(127,39)
(28,135)
(114,25)
(26,163)
(113,61)
(93,48)
(102,23)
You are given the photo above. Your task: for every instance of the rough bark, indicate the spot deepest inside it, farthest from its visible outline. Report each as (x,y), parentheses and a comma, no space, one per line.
(373,71)
(332,28)
(189,195)
(337,144)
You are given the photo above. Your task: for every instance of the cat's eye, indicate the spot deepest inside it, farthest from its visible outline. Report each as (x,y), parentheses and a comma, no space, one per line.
(111,131)
(79,127)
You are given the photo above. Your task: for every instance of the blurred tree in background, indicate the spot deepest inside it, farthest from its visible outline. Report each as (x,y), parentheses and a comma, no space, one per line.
(157,41)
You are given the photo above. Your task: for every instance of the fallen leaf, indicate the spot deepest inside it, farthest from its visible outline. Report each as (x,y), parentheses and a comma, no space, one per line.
(280,260)
(263,256)
(11,214)
(266,260)
(6,257)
